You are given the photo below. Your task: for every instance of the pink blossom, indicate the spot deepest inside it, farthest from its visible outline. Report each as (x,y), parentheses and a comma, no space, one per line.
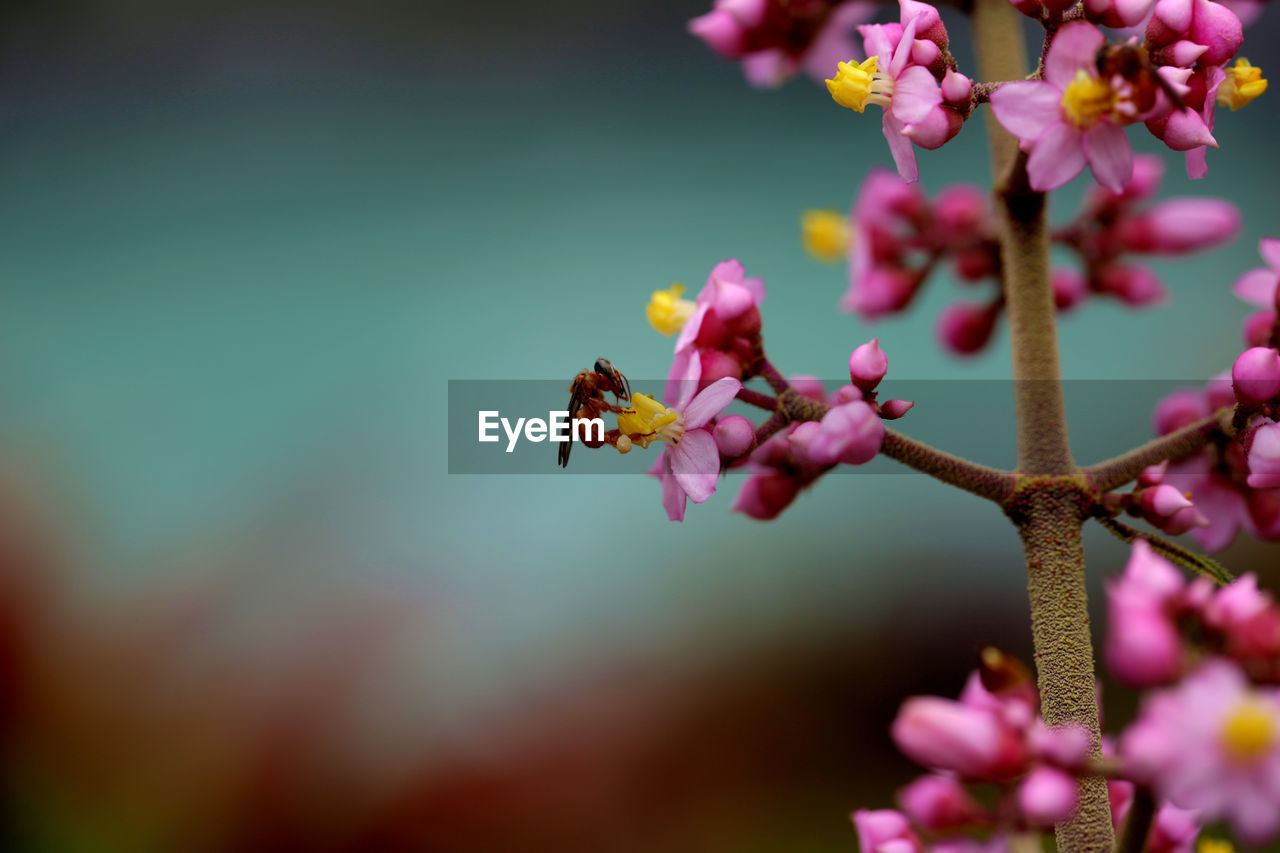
(1261,286)
(716,340)
(690,463)
(1118,13)
(850,433)
(939,803)
(735,436)
(1264,457)
(1056,118)
(964,328)
(1212,744)
(1180,225)
(868,365)
(885,831)
(1255,376)
(1047,796)
(1143,647)
(1201,22)
(766,493)
(947,735)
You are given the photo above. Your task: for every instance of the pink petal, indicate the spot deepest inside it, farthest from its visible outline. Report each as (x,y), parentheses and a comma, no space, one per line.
(915,94)
(695,464)
(904,156)
(768,69)
(1107,148)
(1074,48)
(1027,108)
(1270,251)
(1257,287)
(682,381)
(673,497)
(902,53)
(1058,157)
(1185,130)
(691,326)
(1197,163)
(834,43)
(710,402)
(876,41)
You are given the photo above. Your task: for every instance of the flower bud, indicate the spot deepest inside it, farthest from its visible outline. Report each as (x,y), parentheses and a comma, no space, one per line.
(765,495)
(1255,377)
(1181,225)
(1117,13)
(867,365)
(964,328)
(1069,288)
(722,32)
(851,433)
(956,88)
(1134,285)
(1047,796)
(717,365)
(885,831)
(809,386)
(1143,647)
(1179,409)
(880,291)
(947,735)
(1163,501)
(891,410)
(959,211)
(939,803)
(1264,457)
(1258,328)
(735,436)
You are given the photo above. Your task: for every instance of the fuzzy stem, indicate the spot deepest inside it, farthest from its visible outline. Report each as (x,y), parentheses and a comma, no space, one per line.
(755,398)
(1176,446)
(1048,506)
(979,479)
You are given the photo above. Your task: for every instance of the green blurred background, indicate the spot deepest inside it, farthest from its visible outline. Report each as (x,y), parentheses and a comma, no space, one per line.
(246,245)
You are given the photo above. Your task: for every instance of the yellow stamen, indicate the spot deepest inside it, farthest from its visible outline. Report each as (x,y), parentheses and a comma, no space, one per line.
(1215,845)
(648,420)
(1244,82)
(1249,731)
(855,86)
(667,312)
(825,234)
(1087,99)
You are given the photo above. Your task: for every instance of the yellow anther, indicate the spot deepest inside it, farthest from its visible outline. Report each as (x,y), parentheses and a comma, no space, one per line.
(855,86)
(1243,83)
(1215,845)
(667,312)
(648,420)
(1087,99)
(1249,732)
(825,234)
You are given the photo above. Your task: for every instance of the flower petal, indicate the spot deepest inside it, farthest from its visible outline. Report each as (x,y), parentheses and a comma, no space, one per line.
(915,95)
(682,381)
(904,156)
(1074,48)
(1058,157)
(1027,108)
(1269,248)
(1107,148)
(710,402)
(695,464)
(673,497)
(902,53)
(1257,287)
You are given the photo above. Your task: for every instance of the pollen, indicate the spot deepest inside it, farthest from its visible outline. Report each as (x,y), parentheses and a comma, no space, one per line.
(623,444)
(855,86)
(667,312)
(1248,732)
(825,234)
(1243,83)
(1087,99)
(648,420)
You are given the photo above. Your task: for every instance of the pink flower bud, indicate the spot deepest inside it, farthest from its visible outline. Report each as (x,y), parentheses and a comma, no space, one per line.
(939,803)
(845,394)
(765,495)
(880,291)
(809,386)
(1174,830)
(975,263)
(1264,457)
(1134,285)
(1258,328)
(928,22)
(891,410)
(1183,53)
(1255,377)
(1065,746)
(1069,288)
(867,365)
(1183,520)
(1163,501)
(1148,169)
(851,433)
(1179,409)
(1143,647)
(1153,475)
(800,440)
(1047,796)
(1220,393)
(885,831)
(959,211)
(956,88)
(750,13)
(735,436)
(947,735)
(722,32)
(1117,13)
(1181,225)
(1217,28)
(964,328)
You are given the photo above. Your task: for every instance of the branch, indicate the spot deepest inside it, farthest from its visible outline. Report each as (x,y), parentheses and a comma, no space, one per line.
(1176,446)
(755,398)
(989,483)
(1171,551)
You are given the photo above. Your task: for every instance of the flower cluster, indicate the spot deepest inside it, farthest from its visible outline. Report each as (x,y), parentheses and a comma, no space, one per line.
(911,75)
(1210,740)
(776,39)
(899,237)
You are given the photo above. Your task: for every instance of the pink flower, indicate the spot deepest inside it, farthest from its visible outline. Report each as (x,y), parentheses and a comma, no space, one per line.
(1200,22)
(1212,744)
(939,803)
(1047,796)
(1143,647)
(1069,118)
(1180,225)
(716,339)
(1255,376)
(885,831)
(947,735)
(1264,457)
(850,433)
(690,464)
(775,40)
(1261,286)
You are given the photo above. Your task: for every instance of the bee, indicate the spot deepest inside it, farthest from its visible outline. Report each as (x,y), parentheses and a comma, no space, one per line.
(1132,63)
(586,399)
